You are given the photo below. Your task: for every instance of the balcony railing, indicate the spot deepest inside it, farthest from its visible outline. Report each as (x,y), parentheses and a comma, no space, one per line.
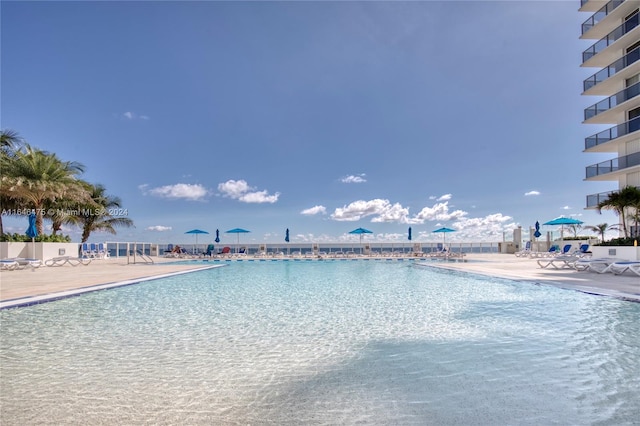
(614,165)
(600,15)
(612,69)
(612,101)
(614,35)
(594,200)
(605,136)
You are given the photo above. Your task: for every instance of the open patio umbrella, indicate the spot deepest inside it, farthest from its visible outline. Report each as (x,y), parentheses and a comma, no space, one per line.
(217,240)
(444,233)
(361,232)
(563,221)
(32,232)
(196,232)
(237,231)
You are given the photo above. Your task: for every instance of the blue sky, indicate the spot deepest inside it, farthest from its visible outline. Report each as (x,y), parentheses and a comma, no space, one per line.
(319,117)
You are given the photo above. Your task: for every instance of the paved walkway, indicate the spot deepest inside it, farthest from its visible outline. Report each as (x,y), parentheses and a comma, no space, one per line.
(47,282)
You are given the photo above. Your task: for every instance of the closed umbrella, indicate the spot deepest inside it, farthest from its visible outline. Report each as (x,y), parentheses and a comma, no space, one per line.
(237,231)
(217,240)
(196,232)
(361,232)
(286,238)
(32,232)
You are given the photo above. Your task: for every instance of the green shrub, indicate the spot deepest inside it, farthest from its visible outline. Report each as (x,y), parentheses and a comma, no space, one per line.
(22,238)
(619,242)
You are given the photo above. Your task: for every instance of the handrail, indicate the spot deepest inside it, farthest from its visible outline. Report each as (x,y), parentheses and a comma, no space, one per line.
(614,132)
(600,14)
(613,165)
(615,67)
(613,36)
(594,200)
(612,101)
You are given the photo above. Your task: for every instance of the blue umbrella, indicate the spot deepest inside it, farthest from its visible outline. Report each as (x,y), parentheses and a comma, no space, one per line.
(286,235)
(409,237)
(32,232)
(237,231)
(360,231)
(563,221)
(196,232)
(444,233)
(217,240)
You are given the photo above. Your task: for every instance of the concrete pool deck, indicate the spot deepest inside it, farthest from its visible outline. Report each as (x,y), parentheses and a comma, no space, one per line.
(18,287)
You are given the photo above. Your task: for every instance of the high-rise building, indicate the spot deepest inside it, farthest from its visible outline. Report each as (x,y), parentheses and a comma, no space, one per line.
(614,25)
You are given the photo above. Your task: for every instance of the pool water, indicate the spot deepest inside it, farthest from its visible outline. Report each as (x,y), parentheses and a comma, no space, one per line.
(292,343)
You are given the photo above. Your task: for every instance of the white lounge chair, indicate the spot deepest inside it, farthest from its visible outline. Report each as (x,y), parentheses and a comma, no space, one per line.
(559,262)
(64,260)
(24,262)
(526,251)
(595,265)
(621,267)
(8,265)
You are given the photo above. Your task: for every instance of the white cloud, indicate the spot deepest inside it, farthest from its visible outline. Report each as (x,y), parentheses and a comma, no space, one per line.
(314,210)
(159,228)
(445,197)
(440,212)
(385,211)
(526,194)
(133,116)
(359,209)
(354,178)
(241,191)
(177,191)
(566,208)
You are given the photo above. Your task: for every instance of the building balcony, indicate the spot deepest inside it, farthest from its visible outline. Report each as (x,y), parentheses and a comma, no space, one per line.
(600,15)
(617,133)
(594,200)
(616,68)
(610,103)
(591,5)
(607,169)
(603,47)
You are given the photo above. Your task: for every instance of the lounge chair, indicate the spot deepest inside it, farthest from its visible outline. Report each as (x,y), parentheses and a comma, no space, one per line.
(24,262)
(559,262)
(209,251)
(621,267)
(64,260)
(225,251)
(8,265)
(526,251)
(102,252)
(87,252)
(595,265)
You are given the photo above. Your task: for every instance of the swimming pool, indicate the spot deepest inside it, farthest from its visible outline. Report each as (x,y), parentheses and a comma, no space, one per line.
(322,343)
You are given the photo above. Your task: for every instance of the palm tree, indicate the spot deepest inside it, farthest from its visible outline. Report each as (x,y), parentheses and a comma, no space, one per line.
(101,218)
(574,229)
(34,176)
(620,202)
(10,142)
(601,228)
